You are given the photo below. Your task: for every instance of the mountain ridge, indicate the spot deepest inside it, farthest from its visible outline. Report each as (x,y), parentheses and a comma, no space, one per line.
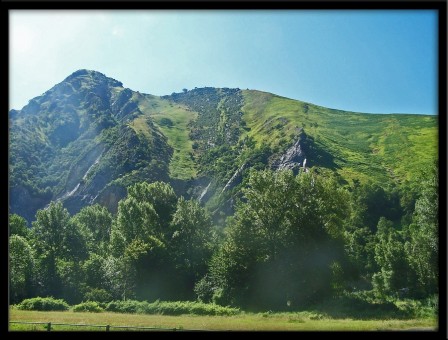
(87,138)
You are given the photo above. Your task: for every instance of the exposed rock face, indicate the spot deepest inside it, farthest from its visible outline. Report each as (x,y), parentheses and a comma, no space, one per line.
(204,192)
(235,179)
(293,158)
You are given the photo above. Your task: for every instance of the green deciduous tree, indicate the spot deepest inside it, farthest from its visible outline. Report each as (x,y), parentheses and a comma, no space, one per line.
(72,280)
(93,269)
(119,277)
(21,269)
(160,195)
(422,248)
(17,226)
(282,244)
(55,237)
(390,257)
(146,211)
(191,242)
(95,223)
(137,219)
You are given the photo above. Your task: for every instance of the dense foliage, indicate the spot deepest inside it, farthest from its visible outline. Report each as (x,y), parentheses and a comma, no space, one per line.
(293,242)
(43,304)
(169,308)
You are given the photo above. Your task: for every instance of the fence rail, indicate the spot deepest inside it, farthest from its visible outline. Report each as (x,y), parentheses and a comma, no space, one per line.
(107,328)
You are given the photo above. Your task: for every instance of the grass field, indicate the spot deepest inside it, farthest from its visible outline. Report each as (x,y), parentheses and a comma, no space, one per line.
(301,321)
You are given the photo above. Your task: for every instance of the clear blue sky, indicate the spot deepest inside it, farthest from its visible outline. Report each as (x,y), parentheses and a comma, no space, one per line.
(364,61)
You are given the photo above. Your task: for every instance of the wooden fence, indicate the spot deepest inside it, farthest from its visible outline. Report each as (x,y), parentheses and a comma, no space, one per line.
(49,327)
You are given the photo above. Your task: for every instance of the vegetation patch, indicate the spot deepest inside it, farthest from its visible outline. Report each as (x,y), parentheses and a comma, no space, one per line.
(89,306)
(170,308)
(43,304)
(173,120)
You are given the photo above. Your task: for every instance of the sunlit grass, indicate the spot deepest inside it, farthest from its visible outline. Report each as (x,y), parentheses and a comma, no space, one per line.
(382,148)
(182,165)
(301,321)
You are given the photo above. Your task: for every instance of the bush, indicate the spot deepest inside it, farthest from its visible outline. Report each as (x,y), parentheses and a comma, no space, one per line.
(427,308)
(189,307)
(170,308)
(89,306)
(43,304)
(128,306)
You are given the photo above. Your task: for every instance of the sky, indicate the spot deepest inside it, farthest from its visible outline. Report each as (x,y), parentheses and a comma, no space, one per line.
(381,61)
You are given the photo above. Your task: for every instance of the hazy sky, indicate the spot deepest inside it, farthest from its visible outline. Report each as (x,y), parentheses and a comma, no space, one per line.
(365,61)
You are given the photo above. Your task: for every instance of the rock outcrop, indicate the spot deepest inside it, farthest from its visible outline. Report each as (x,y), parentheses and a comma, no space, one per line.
(293,158)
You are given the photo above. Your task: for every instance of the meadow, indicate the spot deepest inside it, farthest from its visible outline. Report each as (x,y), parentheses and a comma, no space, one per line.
(298,321)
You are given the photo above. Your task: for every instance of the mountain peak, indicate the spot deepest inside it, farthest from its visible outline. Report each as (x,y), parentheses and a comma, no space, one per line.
(92,75)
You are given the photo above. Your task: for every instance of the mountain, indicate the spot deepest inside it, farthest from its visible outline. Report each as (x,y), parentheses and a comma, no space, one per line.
(87,138)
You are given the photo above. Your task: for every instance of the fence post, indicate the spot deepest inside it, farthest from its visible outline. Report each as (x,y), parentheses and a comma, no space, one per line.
(49,327)
(107,328)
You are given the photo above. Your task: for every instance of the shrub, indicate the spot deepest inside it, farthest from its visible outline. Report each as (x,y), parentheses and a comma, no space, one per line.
(189,307)
(427,308)
(43,304)
(170,308)
(128,306)
(89,306)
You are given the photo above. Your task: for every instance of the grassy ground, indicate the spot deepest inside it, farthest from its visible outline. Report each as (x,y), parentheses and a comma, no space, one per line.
(303,321)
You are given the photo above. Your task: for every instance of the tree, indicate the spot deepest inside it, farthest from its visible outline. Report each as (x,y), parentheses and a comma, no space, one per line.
(72,280)
(55,237)
(391,260)
(21,269)
(360,248)
(142,231)
(137,219)
(373,202)
(191,242)
(274,252)
(17,226)
(119,277)
(94,271)
(161,195)
(146,211)
(422,247)
(95,223)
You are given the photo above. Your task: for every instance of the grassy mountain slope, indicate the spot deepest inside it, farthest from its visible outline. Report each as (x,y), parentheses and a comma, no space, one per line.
(173,120)
(376,147)
(86,139)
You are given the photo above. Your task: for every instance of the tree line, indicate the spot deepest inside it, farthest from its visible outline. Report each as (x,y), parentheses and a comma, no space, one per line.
(294,240)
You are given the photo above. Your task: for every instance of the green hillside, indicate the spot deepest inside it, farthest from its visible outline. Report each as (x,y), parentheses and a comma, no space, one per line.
(172,120)
(88,138)
(377,147)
